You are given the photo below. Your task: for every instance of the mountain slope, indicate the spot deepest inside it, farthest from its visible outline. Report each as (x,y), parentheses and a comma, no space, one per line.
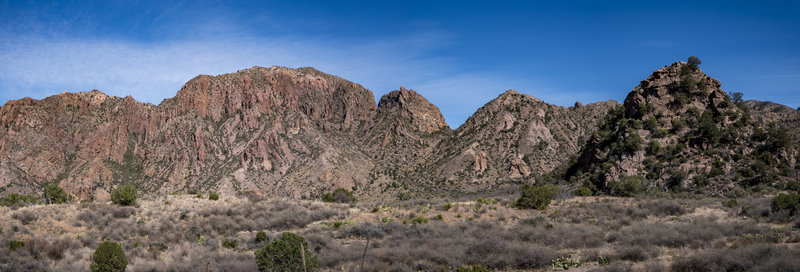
(301,133)
(678,129)
(513,137)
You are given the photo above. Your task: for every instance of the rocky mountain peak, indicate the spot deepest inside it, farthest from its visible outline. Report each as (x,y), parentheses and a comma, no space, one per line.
(678,129)
(675,88)
(413,107)
(327,100)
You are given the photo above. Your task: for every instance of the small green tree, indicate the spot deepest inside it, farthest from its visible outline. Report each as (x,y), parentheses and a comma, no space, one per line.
(694,62)
(536,196)
(736,98)
(626,186)
(108,257)
(285,254)
(790,202)
(340,195)
(124,195)
(213,196)
(55,195)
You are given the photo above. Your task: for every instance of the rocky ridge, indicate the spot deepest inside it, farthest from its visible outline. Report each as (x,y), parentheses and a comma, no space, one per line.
(301,133)
(678,129)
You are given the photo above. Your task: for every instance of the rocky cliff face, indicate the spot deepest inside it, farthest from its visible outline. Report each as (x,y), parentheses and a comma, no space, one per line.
(301,133)
(678,129)
(513,137)
(768,114)
(273,130)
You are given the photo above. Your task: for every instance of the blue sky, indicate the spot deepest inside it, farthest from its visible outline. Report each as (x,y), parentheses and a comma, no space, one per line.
(458,54)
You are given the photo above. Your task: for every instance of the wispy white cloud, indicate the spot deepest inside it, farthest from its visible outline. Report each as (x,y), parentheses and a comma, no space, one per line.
(39,67)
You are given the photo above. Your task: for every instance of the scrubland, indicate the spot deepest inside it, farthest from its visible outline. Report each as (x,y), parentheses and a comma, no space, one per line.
(187,233)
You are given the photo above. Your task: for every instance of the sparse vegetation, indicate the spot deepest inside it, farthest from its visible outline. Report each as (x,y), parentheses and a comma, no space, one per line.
(16,200)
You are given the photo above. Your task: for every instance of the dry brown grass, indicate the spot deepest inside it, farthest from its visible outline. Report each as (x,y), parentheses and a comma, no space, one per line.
(183,233)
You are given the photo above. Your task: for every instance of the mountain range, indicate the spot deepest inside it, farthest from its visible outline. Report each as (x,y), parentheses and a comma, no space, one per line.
(301,133)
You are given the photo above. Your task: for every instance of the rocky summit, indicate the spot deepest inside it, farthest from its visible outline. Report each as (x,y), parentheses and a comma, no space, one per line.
(678,129)
(301,133)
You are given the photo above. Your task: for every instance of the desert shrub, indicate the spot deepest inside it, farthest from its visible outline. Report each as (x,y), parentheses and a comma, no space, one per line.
(447,206)
(583,191)
(229,243)
(55,249)
(14,245)
(123,212)
(788,202)
(213,196)
(283,254)
(108,257)
(261,237)
(626,186)
(694,233)
(758,257)
(420,220)
(566,262)
(124,195)
(536,196)
(664,207)
(55,195)
(793,186)
(25,216)
(635,253)
(340,195)
(474,268)
(16,200)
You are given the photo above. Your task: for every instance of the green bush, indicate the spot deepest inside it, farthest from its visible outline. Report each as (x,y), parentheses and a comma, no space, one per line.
(655,147)
(55,195)
(633,143)
(790,202)
(124,195)
(536,196)
(793,186)
(108,257)
(17,200)
(626,186)
(14,245)
(420,220)
(284,254)
(213,196)
(447,206)
(229,243)
(583,191)
(261,237)
(340,195)
(694,62)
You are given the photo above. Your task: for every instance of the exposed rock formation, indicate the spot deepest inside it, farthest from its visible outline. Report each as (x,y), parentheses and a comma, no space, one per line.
(512,137)
(300,133)
(678,129)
